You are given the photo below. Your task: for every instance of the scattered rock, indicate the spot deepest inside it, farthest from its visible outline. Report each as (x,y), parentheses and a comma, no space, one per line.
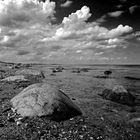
(58,69)
(76,70)
(43,99)
(120,95)
(73,98)
(102,77)
(52,74)
(135,120)
(17,65)
(11,119)
(1,125)
(6,110)
(84,69)
(15,78)
(18,123)
(30,72)
(3,71)
(131,78)
(107,72)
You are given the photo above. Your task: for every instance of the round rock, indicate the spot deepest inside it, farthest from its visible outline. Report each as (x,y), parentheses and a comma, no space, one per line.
(120,95)
(44,99)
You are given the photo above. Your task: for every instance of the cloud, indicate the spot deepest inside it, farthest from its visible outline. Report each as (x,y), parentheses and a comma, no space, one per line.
(110,14)
(123,1)
(132,9)
(66,4)
(115,14)
(30,36)
(79,16)
(113,41)
(120,30)
(14,13)
(119,6)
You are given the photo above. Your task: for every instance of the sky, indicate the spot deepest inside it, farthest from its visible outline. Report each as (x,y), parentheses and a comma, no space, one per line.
(70,31)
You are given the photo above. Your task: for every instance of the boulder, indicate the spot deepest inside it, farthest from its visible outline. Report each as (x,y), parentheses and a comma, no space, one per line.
(15,78)
(58,69)
(132,78)
(31,72)
(107,72)
(76,70)
(120,95)
(44,99)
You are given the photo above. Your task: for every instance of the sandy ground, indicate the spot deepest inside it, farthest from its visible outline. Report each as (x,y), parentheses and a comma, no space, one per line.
(101,119)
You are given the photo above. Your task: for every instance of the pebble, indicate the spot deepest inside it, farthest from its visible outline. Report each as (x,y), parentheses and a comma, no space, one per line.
(11,119)
(1,125)
(81,136)
(18,123)
(71,119)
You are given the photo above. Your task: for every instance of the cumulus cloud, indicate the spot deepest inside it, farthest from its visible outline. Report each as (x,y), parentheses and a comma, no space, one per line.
(115,14)
(113,41)
(103,18)
(66,4)
(15,12)
(79,16)
(120,30)
(30,36)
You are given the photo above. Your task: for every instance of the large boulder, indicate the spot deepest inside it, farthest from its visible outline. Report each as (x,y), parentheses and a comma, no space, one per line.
(15,78)
(44,99)
(120,95)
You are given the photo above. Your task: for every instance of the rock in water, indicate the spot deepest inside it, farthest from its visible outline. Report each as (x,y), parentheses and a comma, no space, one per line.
(43,99)
(107,72)
(120,95)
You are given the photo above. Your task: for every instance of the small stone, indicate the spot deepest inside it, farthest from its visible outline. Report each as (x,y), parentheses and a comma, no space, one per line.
(42,133)
(84,126)
(18,123)
(100,137)
(60,135)
(71,119)
(1,125)
(11,119)
(102,118)
(81,136)
(54,126)
(63,132)
(91,138)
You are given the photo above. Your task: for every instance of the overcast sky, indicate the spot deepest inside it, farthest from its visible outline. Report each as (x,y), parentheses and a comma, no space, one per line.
(70,31)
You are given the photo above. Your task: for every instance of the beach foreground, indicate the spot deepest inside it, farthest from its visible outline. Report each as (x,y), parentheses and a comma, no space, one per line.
(101,119)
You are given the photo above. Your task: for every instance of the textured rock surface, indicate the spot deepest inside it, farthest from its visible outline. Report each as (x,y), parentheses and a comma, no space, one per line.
(30,72)
(43,99)
(15,78)
(119,94)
